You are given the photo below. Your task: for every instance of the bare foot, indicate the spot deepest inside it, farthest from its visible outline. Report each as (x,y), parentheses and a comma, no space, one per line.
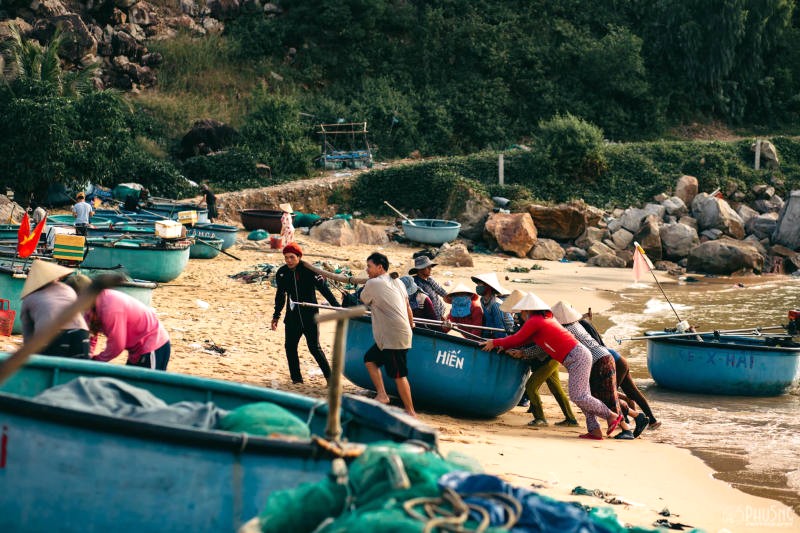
(383,399)
(411,413)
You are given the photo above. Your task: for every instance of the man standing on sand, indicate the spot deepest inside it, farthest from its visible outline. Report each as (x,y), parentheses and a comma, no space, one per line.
(392,321)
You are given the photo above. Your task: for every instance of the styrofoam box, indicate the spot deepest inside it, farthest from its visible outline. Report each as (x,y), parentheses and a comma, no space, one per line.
(168,229)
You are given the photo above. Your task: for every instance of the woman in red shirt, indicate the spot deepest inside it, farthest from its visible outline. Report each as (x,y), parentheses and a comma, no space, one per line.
(542,329)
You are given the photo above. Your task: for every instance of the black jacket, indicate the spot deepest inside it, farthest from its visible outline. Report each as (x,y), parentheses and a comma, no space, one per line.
(301,286)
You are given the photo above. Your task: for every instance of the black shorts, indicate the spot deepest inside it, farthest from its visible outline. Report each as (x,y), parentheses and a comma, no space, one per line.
(393,360)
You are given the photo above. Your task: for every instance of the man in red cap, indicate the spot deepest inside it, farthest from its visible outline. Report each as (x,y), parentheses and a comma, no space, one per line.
(300,284)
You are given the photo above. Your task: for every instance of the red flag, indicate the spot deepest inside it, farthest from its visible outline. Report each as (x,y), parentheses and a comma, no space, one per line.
(24,228)
(27,245)
(641,263)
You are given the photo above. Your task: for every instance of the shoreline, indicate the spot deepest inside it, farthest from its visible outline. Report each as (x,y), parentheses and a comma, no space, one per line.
(205,306)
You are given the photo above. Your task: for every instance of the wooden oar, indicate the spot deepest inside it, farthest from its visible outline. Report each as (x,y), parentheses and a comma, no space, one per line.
(333,429)
(46,335)
(399,213)
(352,280)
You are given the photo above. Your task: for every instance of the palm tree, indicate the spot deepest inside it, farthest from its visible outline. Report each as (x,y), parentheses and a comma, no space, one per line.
(35,68)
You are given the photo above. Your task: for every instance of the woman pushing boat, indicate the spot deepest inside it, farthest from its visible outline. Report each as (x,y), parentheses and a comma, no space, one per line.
(300,284)
(542,329)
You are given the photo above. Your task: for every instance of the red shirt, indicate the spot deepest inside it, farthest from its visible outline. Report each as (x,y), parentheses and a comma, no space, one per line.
(474,319)
(545,332)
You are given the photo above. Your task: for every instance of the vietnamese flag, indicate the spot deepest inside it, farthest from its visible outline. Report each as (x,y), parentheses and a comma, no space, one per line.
(27,241)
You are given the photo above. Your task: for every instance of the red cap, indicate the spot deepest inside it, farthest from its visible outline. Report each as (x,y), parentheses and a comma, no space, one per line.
(293,248)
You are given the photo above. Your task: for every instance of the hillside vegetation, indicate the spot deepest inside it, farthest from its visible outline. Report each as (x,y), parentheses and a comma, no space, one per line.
(444,78)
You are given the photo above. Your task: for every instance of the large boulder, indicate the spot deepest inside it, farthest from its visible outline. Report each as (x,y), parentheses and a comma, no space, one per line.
(606,261)
(78,41)
(686,189)
(677,240)
(725,256)
(369,234)
(769,155)
(622,238)
(473,217)
(223,9)
(649,237)
(675,206)
(513,232)
(335,231)
(455,255)
(762,226)
(712,212)
(563,221)
(599,248)
(788,231)
(547,250)
(590,236)
(632,219)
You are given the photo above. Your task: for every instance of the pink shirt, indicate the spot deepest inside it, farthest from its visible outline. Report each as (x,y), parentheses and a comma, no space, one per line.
(128,324)
(545,332)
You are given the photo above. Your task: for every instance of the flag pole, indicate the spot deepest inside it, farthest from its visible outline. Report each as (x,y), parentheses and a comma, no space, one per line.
(638,249)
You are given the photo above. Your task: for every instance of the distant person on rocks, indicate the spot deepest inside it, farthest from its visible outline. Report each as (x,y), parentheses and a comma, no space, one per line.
(300,284)
(82,211)
(210,199)
(392,324)
(44,296)
(422,277)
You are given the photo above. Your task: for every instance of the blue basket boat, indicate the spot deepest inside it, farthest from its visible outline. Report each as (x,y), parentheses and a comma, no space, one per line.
(145,259)
(75,471)
(205,248)
(217,231)
(431,230)
(447,373)
(740,365)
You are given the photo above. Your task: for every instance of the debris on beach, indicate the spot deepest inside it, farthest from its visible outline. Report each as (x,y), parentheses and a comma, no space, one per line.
(257,274)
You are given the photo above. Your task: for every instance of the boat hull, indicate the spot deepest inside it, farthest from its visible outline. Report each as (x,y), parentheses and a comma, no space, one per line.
(218,231)
(11,289)
(199,250)
(149,264)
(74,471)
(730,365)
(447,373)
(431,231)
(266,219)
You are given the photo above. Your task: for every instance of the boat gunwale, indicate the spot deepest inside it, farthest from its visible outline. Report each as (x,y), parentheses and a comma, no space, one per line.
(713,343)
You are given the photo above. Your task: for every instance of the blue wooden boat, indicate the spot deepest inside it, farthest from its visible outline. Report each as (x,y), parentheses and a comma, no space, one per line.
(68,470)
(431,230)
(69,220)
(140,289)
(146,259)
(209,248)
(447,373)
(169,209)
(117,215)
(766,365)
(217,231)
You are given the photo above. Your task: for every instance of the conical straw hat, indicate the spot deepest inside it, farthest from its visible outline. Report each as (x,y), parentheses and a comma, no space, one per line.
(531,302)
(511,300)
(286,208)
(461,288)
(565,313)
(490,279)
(42,273)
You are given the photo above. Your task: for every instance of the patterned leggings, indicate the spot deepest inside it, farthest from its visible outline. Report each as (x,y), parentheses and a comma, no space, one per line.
(579,365)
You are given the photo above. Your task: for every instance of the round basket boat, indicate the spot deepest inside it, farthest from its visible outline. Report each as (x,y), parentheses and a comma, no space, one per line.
(431,230)
(266,219)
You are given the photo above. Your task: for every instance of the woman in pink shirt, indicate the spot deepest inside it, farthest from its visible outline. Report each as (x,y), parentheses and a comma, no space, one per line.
(129,325)
(542,329)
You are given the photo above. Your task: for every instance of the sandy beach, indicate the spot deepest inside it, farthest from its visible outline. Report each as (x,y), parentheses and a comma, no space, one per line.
(205,307)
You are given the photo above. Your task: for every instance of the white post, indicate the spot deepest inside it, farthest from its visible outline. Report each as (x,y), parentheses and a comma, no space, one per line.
(758,153)
(501,172)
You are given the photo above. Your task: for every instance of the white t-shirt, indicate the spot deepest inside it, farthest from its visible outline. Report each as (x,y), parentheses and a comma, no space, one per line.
(388,301)
(82,212)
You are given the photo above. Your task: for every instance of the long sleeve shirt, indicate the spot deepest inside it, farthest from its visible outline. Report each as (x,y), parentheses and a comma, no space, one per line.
(579,332)
(493,317)
(40,307)
(300,285)
(127,323)
(434,292)
(475,318)
(544,331)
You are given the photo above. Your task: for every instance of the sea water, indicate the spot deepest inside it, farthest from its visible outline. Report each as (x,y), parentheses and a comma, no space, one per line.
(752,443)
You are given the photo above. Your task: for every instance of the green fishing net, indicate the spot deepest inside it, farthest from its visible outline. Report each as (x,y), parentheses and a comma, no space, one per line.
(264,418)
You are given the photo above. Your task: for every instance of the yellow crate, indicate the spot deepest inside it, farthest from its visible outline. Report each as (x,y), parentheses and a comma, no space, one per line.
(69,247)
(187,217)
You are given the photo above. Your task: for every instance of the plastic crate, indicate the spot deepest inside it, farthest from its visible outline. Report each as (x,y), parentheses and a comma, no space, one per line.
(69,247)
(7,317)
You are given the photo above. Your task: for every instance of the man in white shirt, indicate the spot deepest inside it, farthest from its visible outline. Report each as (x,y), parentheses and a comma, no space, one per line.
(82,212)
(392,321)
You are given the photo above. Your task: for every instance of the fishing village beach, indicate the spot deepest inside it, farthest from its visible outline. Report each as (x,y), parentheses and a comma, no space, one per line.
(206,312)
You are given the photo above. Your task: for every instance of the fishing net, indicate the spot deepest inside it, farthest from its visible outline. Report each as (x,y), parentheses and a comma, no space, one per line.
(257,274)
(264,418)
(399,488)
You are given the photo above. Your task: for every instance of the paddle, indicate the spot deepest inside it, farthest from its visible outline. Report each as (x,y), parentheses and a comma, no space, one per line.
(43,337)
(333,429)
(201,241)
(399,213)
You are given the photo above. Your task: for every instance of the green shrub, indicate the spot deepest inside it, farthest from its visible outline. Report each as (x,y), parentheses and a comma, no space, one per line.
(159,176)
(573,146)
(231,170)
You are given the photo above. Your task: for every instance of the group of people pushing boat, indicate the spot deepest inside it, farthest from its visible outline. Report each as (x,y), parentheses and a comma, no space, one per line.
(519,323)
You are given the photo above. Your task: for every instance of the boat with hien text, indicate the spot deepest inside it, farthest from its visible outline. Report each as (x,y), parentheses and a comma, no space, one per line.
(733,362)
